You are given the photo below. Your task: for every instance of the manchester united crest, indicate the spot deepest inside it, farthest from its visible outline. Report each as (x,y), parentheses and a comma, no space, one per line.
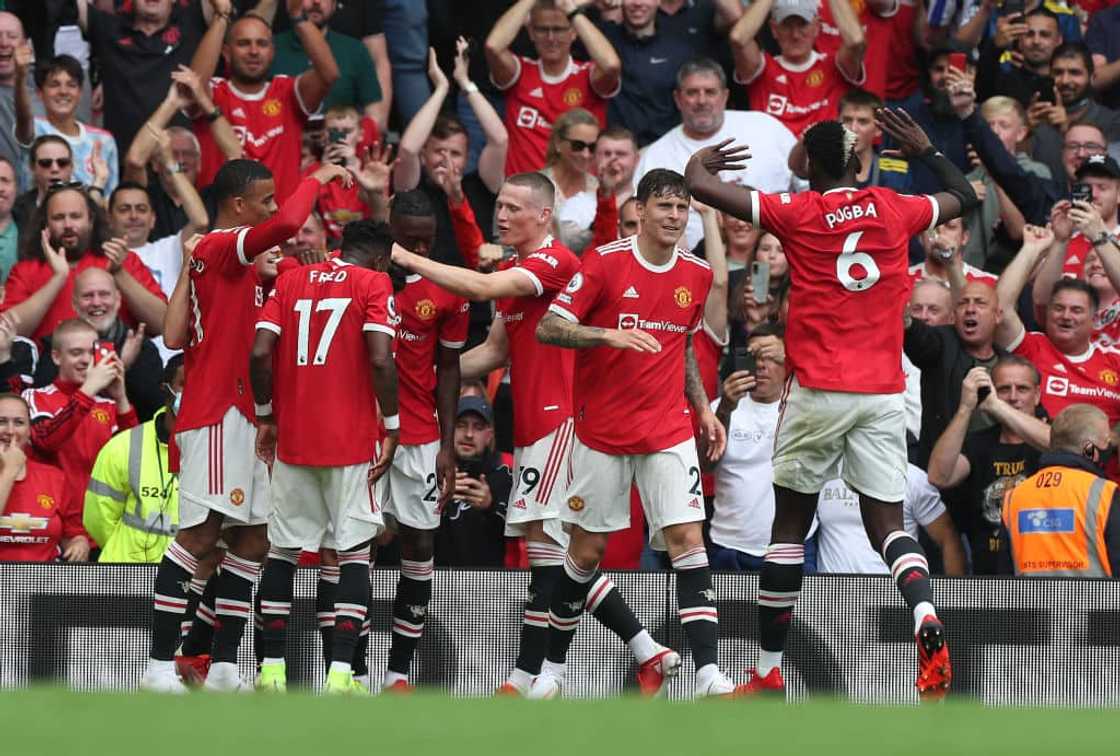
(271,107)
(237,497)
(682,296)
(101,416)
(572,97)
(815,79)
(425,309)
(45,501)
(1110,377)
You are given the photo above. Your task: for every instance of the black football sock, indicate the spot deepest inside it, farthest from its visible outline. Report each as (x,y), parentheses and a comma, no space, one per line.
(696,605)
(568,599)
(350,604)
(233,604)
(325,590)
(360,665)
(910,572)
(606,604)
(173,579)
(200,637)
(410,608)
(546,565)
(779,586)
(275,599)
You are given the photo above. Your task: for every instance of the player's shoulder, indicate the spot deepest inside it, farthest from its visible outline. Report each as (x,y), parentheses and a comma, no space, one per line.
(610,249)
(688,259)
(554,254)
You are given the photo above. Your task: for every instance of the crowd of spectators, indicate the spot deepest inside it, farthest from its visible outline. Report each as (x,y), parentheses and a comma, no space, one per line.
(116,114)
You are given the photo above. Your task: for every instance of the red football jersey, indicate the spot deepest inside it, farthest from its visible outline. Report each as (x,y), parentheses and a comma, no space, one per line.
(71,438)
(1106,326)
(428,314)
(903,73)
(1077,251)
(540,376)
(847,252)
(877,32)
(225,297)
(42,509)
(323,392)
(28,276)
(628,402)
(269,124)
(534,100)
(971,273)
(798,95)
(1089,378)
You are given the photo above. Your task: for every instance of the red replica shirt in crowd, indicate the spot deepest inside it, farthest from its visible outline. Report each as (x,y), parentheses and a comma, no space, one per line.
(269,125)
(42,509)
(323,385)
(225,297)
(338,205)
(540,376)
(1089,378)
(428,315)
(68,428)
(877,32)
(801,94)
(903,73)
(847,252)
(1077,251)
(628,402)
(918,271)
(534,100)
(28,276)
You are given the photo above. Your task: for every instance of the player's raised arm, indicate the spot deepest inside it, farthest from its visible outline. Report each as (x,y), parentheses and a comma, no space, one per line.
(475,286)
(293,213)
(959,197)
(1010,329)
(702,176)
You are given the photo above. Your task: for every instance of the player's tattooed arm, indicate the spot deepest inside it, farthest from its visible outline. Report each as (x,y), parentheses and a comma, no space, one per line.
(693,383)
(558,331)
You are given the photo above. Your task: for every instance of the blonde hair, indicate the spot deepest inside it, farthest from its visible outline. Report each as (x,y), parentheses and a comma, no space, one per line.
(999,105)
(1073,427)
(573,117)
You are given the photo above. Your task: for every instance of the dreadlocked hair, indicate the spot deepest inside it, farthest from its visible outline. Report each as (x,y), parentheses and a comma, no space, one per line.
(830,147)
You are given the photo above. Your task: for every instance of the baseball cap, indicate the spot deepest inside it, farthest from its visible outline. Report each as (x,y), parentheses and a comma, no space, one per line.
(1099,165)
(783,9)
(477,405)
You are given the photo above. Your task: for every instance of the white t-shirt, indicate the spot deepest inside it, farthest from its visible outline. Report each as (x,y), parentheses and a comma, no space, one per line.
(842,545)
(164,257)
(770,143)
(744,498)
(913,396)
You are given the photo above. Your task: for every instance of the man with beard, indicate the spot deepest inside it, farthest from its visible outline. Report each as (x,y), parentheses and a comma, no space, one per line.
(1073,71)
(68,234)
(1033,38)
(267,113)
(985,464)
(97,300)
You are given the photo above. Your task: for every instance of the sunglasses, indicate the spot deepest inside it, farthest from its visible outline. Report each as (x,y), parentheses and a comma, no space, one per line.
(45,163)
(579,145)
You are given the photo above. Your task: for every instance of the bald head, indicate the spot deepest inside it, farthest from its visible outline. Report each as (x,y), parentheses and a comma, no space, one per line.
(11,37)
(97,300)
(1078,426)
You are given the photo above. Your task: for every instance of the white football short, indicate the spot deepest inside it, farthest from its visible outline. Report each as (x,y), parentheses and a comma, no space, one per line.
(668,482)
(334,507)
(220,472)
(540,484)
(860,437)
(413,493)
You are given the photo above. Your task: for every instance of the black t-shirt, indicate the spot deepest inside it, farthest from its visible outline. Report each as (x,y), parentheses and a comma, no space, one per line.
(354,18)
(136,69)
(469,537)
(170,218)
(996,468)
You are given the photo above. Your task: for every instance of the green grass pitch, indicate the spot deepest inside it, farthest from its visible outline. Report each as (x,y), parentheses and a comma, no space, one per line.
(60,723)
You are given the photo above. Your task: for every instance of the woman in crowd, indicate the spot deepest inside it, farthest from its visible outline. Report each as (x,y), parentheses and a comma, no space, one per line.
(570,163)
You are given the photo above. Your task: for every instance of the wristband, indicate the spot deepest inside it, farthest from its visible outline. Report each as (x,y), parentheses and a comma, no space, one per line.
(214,114)
(297,20)
(470,88)
(1105,238)
(392,422)
(263,410)
(578,11)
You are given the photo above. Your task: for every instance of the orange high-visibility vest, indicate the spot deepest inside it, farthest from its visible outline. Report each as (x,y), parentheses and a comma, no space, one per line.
(1056,519)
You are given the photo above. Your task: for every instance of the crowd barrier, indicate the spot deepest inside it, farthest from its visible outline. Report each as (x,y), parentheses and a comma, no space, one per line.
(1013,642)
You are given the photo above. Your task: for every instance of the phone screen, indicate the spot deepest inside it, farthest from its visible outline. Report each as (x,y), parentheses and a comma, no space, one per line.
(760,281)
(958,60)
(742,359)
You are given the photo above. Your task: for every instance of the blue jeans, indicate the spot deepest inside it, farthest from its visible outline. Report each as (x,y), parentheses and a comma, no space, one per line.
(406,34)
(723,558)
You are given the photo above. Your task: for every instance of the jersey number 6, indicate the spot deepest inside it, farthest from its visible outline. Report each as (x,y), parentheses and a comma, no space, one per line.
(849,257)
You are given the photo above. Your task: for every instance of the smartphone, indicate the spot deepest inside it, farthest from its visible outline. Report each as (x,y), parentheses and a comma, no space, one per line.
(472,468)
(1081,191)
(1045,90)
(742,359)
(1012,7)
(104,351)
(983,393)
(958,60)
(336,136)
(315,123)
(760,281)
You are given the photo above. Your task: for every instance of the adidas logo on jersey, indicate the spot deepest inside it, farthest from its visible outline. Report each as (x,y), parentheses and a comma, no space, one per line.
(519,504)
(537,92)
(630,293)
(695,504)
(1073,260)
(1059,368)
(238,113)
(781,79)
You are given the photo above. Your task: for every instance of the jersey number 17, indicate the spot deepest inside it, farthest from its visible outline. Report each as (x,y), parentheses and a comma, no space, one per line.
(336,306)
